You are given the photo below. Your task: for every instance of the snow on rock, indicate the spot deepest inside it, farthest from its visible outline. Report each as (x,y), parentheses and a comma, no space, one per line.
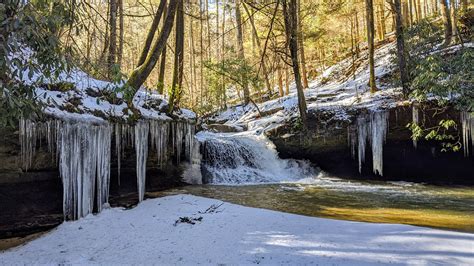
(233,234)
(75,95)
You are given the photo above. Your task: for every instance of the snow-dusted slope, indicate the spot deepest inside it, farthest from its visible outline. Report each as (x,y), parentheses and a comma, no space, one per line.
(334,91)
(233,234)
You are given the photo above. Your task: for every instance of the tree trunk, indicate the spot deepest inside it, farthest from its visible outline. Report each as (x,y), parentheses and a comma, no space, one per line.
(280,80)
(418,10)
(141,73)
(290,10)
(176,87)
(161,73)
(370,40)
(240,49)
(112,39)
(382,27)
(287,81)
(152,32)
(401,54)
(301,47)
(120,48)
(448,30)
(259,48)
(201,49)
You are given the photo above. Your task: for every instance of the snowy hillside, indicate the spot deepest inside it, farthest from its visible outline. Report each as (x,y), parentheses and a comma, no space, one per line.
(334,91)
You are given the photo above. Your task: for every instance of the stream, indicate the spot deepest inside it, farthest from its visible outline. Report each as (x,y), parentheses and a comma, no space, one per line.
(449,208)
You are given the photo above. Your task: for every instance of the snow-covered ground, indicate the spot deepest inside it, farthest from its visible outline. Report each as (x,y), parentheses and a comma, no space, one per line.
(233,234)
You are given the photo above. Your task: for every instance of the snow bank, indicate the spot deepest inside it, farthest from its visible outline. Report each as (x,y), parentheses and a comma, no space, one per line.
(232,234)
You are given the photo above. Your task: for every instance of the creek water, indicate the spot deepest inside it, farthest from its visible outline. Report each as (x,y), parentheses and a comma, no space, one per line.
(449,208)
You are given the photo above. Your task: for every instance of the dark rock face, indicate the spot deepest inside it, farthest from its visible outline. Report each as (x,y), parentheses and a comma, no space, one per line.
(327,145)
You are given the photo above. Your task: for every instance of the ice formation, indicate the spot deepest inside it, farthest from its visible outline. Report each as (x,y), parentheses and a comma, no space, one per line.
(141,147)
(192,172)
(372,128)
(416,121)
(247,158)
(467,121)
(379,127)
(84,160)
(84,152)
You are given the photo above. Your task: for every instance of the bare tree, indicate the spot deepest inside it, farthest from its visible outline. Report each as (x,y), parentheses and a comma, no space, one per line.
(141,73)
(290,10)
(240,49)
(370,39)
(176,86)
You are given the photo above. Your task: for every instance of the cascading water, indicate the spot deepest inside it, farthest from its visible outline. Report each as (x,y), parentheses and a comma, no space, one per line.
(247,158)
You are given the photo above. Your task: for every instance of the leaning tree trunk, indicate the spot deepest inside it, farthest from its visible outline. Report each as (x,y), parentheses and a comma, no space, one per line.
(176,87)
(240,48)
(290,15)
(259,49)
(448,30)
(141,73)
(370,40)
(151,33)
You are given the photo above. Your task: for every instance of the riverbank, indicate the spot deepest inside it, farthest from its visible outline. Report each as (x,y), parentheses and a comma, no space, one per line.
(225,233)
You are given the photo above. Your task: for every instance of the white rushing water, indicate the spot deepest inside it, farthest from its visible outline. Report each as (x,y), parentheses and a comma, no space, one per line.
(247,158)
(84,152)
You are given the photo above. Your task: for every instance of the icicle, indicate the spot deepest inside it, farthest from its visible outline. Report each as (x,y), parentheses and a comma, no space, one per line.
(27,142)
(415,120)
(467,121)
(118,148)
(362,134)
(141,147)
(192,173)
(84,160)
(379,126)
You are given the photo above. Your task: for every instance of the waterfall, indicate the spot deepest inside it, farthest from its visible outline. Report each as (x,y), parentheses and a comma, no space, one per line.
(84,152)
(246,158)
(467,122)
(372,128)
